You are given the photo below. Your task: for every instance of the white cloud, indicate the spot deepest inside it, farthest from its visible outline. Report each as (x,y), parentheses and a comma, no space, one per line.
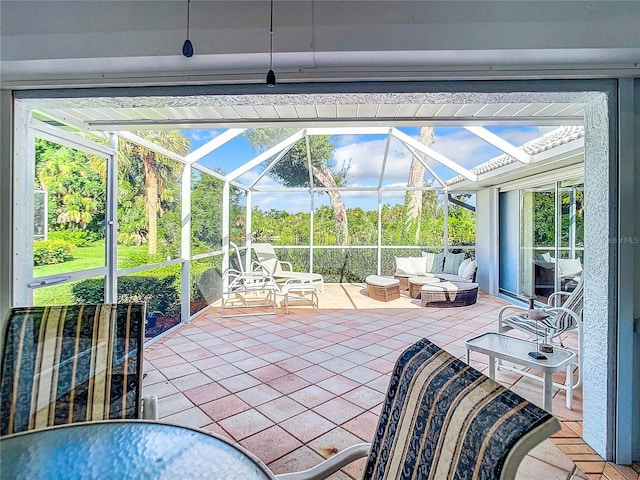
(202,135)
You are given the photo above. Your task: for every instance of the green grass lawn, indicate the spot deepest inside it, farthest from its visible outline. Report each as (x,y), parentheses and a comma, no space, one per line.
(84,258)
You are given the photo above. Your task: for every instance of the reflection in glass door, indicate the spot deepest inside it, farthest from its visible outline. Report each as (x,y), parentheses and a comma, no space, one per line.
(551,238)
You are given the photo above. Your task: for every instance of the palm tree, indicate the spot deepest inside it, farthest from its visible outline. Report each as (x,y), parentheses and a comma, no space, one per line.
(413,198)
(159,172)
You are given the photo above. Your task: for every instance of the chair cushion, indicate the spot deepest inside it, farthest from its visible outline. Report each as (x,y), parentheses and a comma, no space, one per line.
(379,281)
(411,265)
(443,419)
(452,262)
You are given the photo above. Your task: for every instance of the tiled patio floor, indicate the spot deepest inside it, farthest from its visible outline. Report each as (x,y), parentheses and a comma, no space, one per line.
(296,388)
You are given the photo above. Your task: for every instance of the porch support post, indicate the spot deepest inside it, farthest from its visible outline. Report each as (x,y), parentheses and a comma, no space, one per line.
(185,245)
(225,232)
(111,224)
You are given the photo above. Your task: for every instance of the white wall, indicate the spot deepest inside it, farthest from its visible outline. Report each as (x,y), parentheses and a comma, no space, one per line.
(487,251)
(100,42)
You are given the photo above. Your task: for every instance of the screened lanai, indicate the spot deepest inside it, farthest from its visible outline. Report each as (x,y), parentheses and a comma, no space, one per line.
(331,182)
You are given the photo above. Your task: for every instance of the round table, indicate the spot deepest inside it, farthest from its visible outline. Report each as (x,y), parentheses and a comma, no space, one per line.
(126,449)
(416,283)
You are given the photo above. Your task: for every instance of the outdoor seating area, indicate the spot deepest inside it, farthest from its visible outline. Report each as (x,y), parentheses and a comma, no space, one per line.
(294,389)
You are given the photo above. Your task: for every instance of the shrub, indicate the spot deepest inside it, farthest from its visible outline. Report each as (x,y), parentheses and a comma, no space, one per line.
(49,252)
(80,238)
(160,293)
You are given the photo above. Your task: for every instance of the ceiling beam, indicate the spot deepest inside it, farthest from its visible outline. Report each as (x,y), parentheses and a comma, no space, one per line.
(266,155)
(214,144)
(500,143)
(152,146)
(438,157)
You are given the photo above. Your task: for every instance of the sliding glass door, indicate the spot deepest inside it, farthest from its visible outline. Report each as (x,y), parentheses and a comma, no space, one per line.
(551,238)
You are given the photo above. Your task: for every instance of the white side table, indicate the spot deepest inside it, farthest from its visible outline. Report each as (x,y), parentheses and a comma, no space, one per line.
(511,349)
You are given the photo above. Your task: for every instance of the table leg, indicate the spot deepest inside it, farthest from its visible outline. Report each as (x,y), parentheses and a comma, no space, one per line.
(492,367)
(569,387)
(548,390)
(468,352)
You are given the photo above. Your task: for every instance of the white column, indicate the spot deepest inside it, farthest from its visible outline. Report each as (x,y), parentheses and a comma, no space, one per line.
(185,245)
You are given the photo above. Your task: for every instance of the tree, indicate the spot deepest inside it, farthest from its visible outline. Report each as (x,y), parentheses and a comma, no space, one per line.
(74,184)
(413,198)
(293,169)
(160,174)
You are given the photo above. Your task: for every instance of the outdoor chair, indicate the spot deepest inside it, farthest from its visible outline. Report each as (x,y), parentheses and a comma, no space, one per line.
(553,329)
(76,363)
(243,287)
(443,419)
(267,257)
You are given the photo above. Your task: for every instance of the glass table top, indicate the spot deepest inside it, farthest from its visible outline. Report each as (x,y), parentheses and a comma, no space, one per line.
(126,449)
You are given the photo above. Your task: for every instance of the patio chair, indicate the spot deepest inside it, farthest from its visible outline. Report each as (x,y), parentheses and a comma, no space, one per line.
(443,419)
(267,257)
(76,363)
(561,320)
(244,288)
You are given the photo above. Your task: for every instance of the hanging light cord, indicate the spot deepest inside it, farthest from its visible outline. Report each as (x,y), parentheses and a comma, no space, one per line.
(271,39)
(188,17)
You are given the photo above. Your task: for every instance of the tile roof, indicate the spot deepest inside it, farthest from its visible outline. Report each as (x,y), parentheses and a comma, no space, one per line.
(553,139)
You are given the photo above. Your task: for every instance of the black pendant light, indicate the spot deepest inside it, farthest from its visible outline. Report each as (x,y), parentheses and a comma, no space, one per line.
(271,76)
(187,46)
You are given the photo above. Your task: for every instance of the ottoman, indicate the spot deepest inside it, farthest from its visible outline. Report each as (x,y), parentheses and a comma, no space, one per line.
(449,294)
(416,284)
(384,289)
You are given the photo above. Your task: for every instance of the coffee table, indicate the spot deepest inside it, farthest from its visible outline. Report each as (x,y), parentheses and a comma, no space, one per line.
(516,350)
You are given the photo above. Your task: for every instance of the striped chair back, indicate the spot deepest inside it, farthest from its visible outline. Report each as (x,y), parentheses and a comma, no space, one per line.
(442,419)
(562,321)
(67,364)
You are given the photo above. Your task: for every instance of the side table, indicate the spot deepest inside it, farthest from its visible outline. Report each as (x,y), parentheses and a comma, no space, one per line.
(511,349)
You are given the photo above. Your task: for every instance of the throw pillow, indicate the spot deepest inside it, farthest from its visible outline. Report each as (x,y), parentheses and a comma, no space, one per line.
(438,264)
(463,265)
(569,267)
(411,265)
(470,271)
(452,262)
(431,259)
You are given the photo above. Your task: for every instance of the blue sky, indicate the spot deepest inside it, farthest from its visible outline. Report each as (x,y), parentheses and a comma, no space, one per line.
(364,153)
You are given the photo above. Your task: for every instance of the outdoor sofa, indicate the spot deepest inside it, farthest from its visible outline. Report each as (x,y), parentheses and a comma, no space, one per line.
(449,267)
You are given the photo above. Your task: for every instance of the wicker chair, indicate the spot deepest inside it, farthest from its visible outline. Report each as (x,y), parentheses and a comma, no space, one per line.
(443,419)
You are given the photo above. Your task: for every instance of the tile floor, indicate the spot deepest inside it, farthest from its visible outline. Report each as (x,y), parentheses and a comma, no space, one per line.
(294,389)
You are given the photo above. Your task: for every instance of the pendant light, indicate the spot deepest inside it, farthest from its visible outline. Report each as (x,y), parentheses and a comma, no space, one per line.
(271,76)
(187,46)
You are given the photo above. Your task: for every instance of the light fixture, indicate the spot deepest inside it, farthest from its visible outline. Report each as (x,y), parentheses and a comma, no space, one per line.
(271,76)
(187,46)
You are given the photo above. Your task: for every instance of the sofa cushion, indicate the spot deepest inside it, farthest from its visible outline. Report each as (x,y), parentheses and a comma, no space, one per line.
(435,262)
(411,265)
(463,265)
(470,271)
(452,262)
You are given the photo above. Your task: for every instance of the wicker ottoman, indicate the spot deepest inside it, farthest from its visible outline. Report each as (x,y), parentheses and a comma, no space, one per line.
(449,294)
(404,281)
(416,284)
(384,289)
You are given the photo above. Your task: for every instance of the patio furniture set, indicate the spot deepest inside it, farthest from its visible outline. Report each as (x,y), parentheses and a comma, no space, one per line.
(105,395)
(437,280)
(259,285)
